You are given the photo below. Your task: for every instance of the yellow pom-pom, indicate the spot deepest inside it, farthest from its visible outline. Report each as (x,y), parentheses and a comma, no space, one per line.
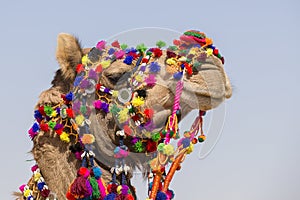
(171,61)
(190,149)
(79,120)
(37,176)
(87,139)
(192,51)
(27,193)
(119,188)
(137,101)
(65,137)
(123,115)
(105,63)
(115,93)
(138,78)
(209,52)
(168,149)
(54,113)
(85,60)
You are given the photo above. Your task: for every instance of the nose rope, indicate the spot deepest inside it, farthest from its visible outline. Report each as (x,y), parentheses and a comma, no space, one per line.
(173,117)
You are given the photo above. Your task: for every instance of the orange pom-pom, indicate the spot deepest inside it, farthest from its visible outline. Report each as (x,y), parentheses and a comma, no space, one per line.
(87,139)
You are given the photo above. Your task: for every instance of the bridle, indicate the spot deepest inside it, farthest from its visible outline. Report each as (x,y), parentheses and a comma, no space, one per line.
(70,118)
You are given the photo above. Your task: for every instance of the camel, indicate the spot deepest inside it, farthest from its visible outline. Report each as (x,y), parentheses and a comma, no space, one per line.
(204,88)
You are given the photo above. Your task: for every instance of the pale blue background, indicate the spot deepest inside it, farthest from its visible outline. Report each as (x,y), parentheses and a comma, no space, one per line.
(257,157)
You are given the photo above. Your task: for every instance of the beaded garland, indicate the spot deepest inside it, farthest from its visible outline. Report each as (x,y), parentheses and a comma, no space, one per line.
(71,116)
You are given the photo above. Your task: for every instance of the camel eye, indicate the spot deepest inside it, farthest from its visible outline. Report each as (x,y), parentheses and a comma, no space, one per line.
(114,78)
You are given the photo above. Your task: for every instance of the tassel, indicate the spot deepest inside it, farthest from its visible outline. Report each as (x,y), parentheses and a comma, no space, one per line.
(81,187)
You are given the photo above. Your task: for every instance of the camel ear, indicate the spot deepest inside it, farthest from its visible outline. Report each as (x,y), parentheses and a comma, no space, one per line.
(68,55)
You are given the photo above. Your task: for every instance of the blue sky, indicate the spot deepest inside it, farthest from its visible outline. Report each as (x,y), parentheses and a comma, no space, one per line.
(257,156)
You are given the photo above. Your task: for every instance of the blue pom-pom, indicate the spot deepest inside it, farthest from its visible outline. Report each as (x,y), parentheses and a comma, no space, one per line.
(161,196)
(41,185)
(97,172)
(178,75)
(186,142)
(111,51)
(35,127)
(128,60)
(132,49)
(30,197)
(69,96)
(77,81)
(37,115)
(110,196)
(154,67)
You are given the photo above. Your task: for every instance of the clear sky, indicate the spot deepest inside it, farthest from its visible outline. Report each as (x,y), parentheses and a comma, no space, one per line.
(257,156)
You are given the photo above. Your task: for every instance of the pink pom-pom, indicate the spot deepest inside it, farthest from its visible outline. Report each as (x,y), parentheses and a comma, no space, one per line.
(101,45)
(97,104)
(119,54)
(34,168)
(78,155)
(21,188)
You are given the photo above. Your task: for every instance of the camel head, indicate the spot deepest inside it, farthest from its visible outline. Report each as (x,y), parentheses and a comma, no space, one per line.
(128,88)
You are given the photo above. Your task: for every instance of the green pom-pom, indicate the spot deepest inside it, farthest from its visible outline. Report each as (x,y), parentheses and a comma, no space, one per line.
(171,133)
(48,110)
(149,53)
(164,132)
(156,137)
(160,147)
(173,48)
(201,138)
(83,109)
(197,64)
(188,60)
(114,109)
(160,44)
(138,146)
(131,110)
(123,46)
(141,47)
(52,124)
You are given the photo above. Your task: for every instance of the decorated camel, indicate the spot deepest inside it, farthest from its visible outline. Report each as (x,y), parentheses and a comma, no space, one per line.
(113,109)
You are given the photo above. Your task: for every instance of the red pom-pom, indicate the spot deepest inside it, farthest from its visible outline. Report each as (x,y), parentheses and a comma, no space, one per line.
(59,131)
(45,193)
(176,42)
(99,69)
(151,146)
(44,127)
(41,110)
(216,51)
(70,112)
(133,54)
(157,52)
(149,113)
(127,130)
(188,69)
(170,54)
(116,44)
(98,86)
(135,118)
(79,68)
(145,60)
(223,60)
(83,171)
